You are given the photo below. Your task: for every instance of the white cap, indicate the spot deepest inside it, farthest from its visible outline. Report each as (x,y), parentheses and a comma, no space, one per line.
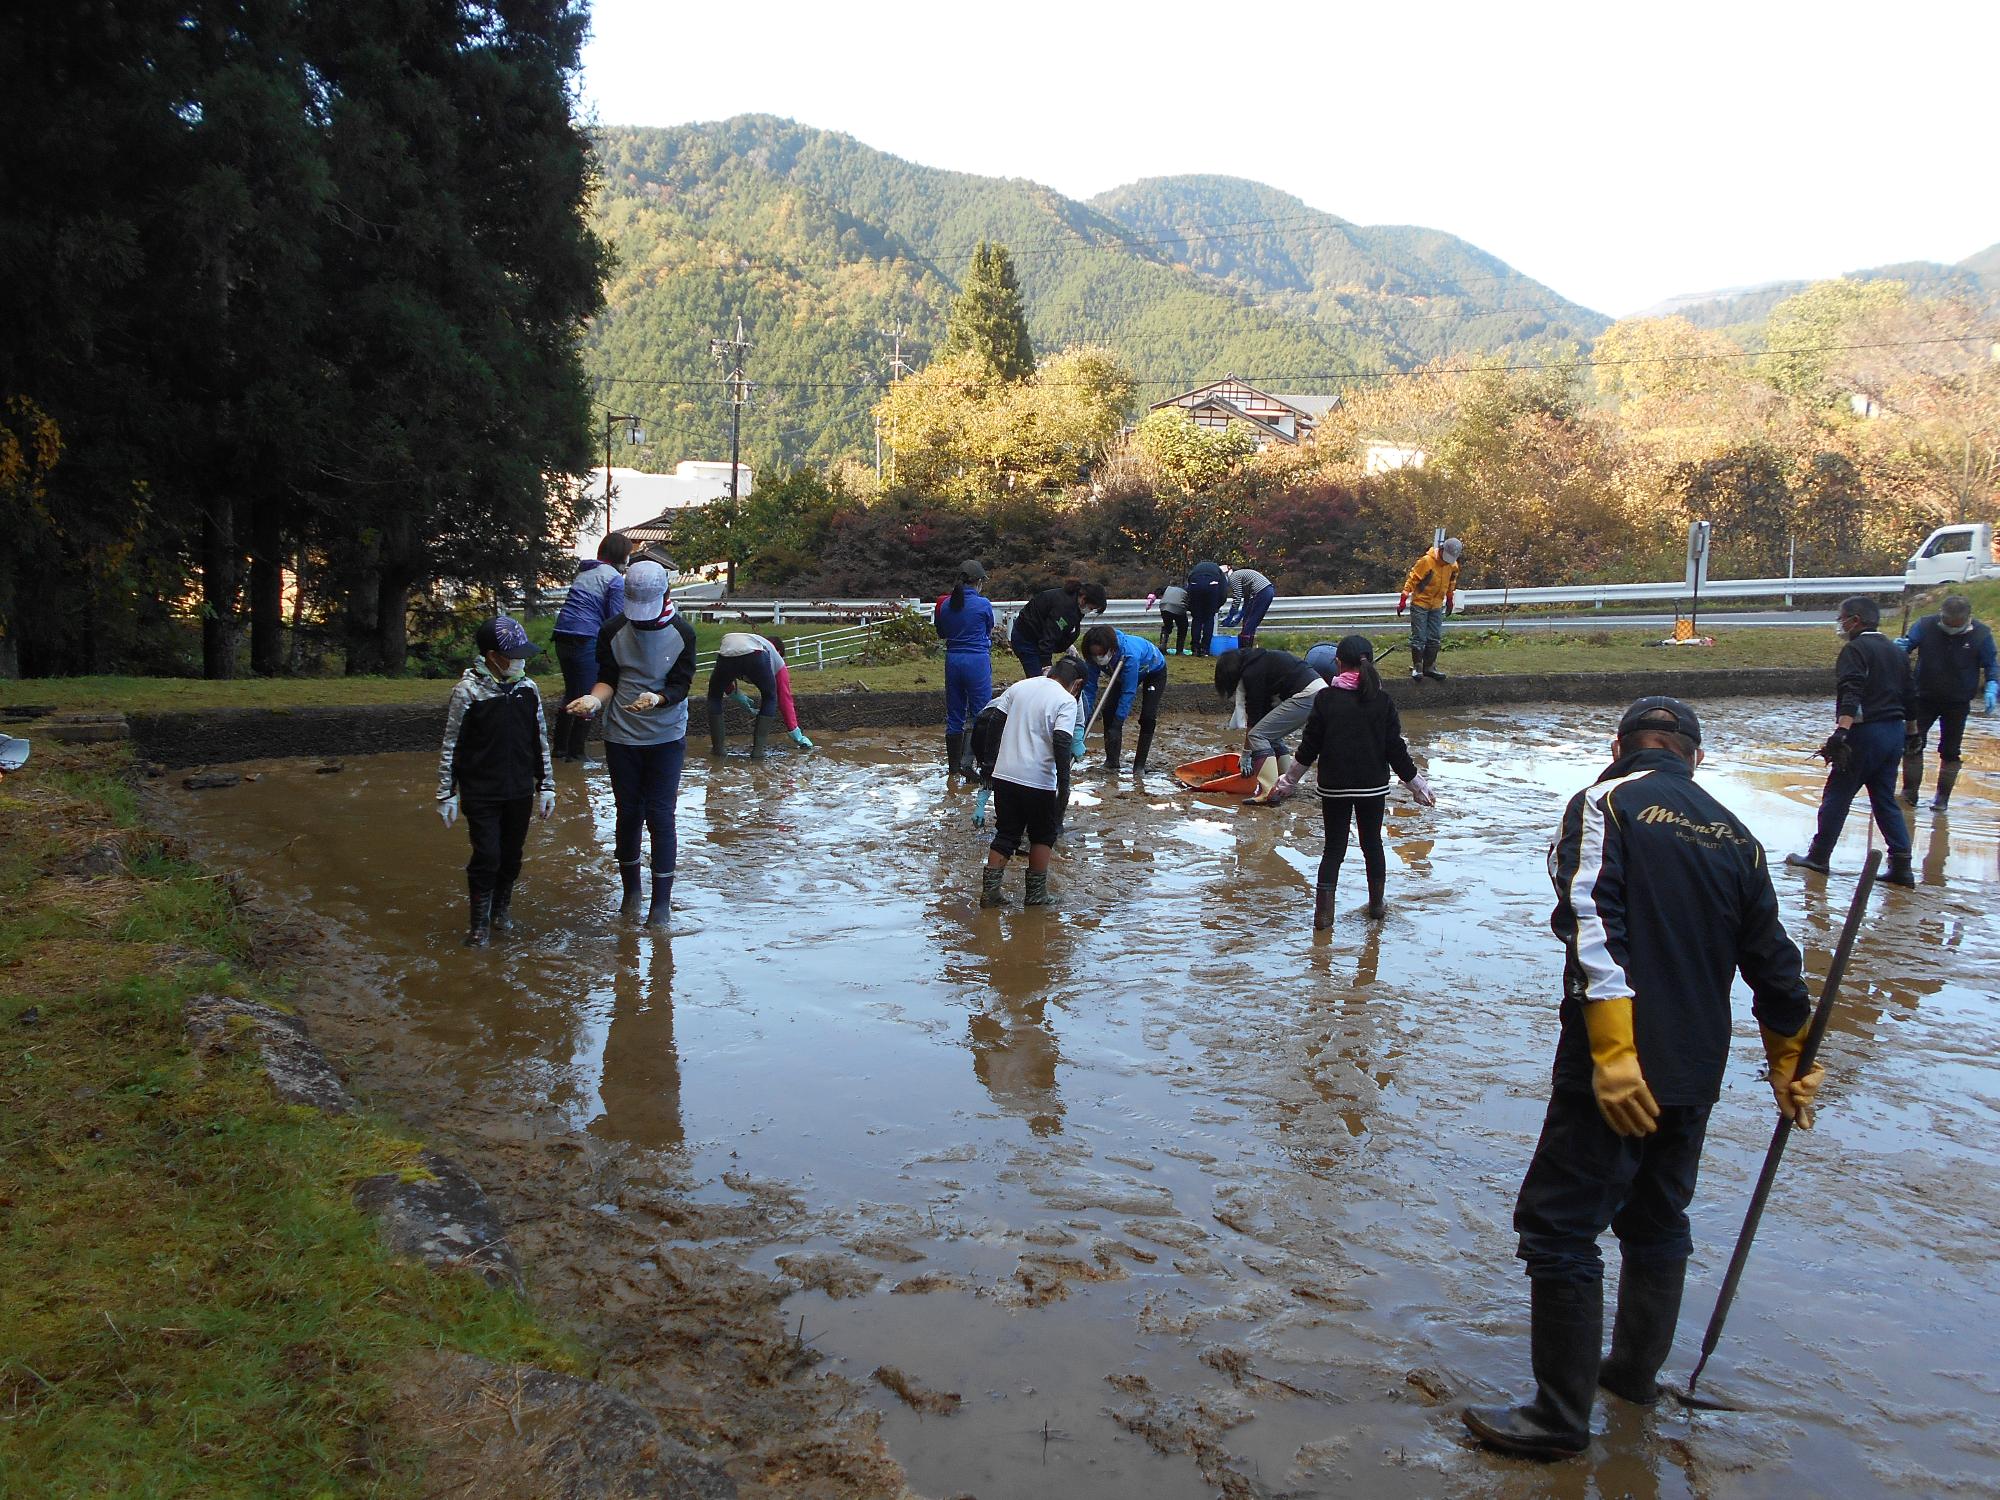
(645,592)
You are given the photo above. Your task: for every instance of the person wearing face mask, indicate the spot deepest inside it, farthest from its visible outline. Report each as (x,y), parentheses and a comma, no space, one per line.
(1875,714)
(1662,898)
(1953,652)
(1142,680)
(496,769)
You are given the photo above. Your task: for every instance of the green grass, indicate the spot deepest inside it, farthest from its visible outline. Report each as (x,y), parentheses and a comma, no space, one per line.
(189,1303)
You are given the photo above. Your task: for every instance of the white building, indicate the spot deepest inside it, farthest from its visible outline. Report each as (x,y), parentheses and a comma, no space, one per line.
(1383,458)
(639,496)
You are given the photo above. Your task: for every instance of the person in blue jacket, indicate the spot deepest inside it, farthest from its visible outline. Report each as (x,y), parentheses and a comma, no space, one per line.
(595,597)
(964,621)
(1141,680)
(1953,651)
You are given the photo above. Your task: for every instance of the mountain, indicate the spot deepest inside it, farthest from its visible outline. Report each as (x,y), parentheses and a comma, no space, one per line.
(1748,308)
(823,244)
(1420,292)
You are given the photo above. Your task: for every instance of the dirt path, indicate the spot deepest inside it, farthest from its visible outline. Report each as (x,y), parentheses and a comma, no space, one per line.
(1177,1201)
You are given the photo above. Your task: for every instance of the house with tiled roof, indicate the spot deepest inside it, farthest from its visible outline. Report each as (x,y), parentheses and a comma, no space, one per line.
(1270,419)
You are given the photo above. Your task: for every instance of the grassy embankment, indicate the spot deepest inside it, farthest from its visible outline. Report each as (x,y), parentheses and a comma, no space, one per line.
(1473,647)
(189,1304)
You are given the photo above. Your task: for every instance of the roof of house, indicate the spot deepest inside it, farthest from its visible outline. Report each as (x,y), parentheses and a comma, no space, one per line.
(1238,414)
(1310,407)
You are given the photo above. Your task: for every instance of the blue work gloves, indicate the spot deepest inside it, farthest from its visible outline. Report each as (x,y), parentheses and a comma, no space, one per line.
(743,701)
(799,739)
(1992,696)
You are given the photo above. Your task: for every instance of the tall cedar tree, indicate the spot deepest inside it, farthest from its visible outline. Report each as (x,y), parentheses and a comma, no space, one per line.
(988,320)
(287,276)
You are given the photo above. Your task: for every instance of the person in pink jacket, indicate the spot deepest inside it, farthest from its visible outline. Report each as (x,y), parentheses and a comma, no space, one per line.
(760,661)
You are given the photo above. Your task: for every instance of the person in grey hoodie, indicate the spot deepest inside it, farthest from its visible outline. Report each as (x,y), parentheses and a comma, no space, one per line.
(645,666)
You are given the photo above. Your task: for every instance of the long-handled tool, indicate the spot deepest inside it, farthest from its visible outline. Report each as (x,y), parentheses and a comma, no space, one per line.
(1103,698)
(1828,992)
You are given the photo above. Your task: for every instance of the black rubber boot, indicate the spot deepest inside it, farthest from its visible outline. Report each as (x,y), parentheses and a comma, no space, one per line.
(1376,907)
(1114,744)
(760,735)
(1642,1334)
(989,887)
(1567,1335)
(1913,775)
(503,901)
(1143,749)
(1947,779)
(1900,872)
(718,737)
(1431,664)
(1816,857)
(1323,908)
(479,931)
(635,890)
(954,753)
(661,913)
(1038,889)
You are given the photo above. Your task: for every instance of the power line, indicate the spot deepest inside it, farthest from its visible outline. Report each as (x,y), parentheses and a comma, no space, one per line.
(1268,381)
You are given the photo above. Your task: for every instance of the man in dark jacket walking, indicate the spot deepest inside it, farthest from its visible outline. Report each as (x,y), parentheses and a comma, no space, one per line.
(1875,713)
(1953,651)
(1661,897)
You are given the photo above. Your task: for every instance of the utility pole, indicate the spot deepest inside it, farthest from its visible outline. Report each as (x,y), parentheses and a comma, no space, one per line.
(730,353)
(897,370)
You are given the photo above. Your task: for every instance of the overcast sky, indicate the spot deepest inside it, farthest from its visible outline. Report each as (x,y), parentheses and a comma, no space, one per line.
(1619,153)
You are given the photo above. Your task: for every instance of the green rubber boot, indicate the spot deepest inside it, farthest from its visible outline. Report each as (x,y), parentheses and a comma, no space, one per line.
(718,737)
(760,735)
(1038,889)
(989,887)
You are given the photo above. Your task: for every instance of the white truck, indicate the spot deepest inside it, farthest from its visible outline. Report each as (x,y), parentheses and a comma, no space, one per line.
(1953,554)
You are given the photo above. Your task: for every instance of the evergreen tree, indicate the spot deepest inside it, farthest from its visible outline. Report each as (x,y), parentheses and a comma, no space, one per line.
(988,320)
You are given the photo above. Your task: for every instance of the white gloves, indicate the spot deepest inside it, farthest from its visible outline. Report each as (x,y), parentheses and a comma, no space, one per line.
(585,707)
(1421,790)
(545,805)
(448,809)
(644,703)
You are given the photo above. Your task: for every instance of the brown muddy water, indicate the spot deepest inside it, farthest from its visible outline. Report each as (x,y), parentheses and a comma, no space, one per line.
(1178,1200)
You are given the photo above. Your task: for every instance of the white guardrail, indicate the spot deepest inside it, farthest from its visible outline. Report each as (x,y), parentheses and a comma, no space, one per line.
(856,618)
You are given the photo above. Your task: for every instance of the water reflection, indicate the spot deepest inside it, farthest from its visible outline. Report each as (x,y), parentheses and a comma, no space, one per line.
(640,1090)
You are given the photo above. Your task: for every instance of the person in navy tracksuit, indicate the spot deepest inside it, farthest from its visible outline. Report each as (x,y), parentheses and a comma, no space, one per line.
(1953,652)
(964,621)
(1206,583)
(1142,680)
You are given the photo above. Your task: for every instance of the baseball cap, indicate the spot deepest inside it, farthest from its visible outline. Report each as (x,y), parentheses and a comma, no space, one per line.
(506,636)
(1658,707)
(972,570)
(645,592)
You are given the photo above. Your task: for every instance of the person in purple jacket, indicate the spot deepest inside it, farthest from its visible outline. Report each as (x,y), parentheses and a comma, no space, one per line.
(595,597)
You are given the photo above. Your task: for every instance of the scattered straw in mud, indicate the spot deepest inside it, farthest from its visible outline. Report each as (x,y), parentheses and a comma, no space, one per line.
(835,1275)
(919,1398)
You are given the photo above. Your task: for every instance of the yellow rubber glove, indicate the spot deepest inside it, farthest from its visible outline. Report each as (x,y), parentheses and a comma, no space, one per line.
(1794,1095)
(1622,1096)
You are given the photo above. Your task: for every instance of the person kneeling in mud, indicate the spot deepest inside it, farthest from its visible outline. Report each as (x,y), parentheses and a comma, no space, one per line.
(1142,680)
(760,661)
(1356,738)
(1030,774)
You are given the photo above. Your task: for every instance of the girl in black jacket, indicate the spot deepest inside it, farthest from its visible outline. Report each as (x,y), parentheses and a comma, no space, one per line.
(1355,735)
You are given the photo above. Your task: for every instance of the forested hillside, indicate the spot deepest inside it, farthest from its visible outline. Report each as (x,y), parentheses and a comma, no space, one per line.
(1745,311)
(823,243)
(1421,292)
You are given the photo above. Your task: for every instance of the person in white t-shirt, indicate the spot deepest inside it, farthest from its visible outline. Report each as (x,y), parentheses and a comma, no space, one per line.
(1030,776)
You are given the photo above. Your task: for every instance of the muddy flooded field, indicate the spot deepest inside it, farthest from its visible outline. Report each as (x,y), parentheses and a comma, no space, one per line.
(1152,1195)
